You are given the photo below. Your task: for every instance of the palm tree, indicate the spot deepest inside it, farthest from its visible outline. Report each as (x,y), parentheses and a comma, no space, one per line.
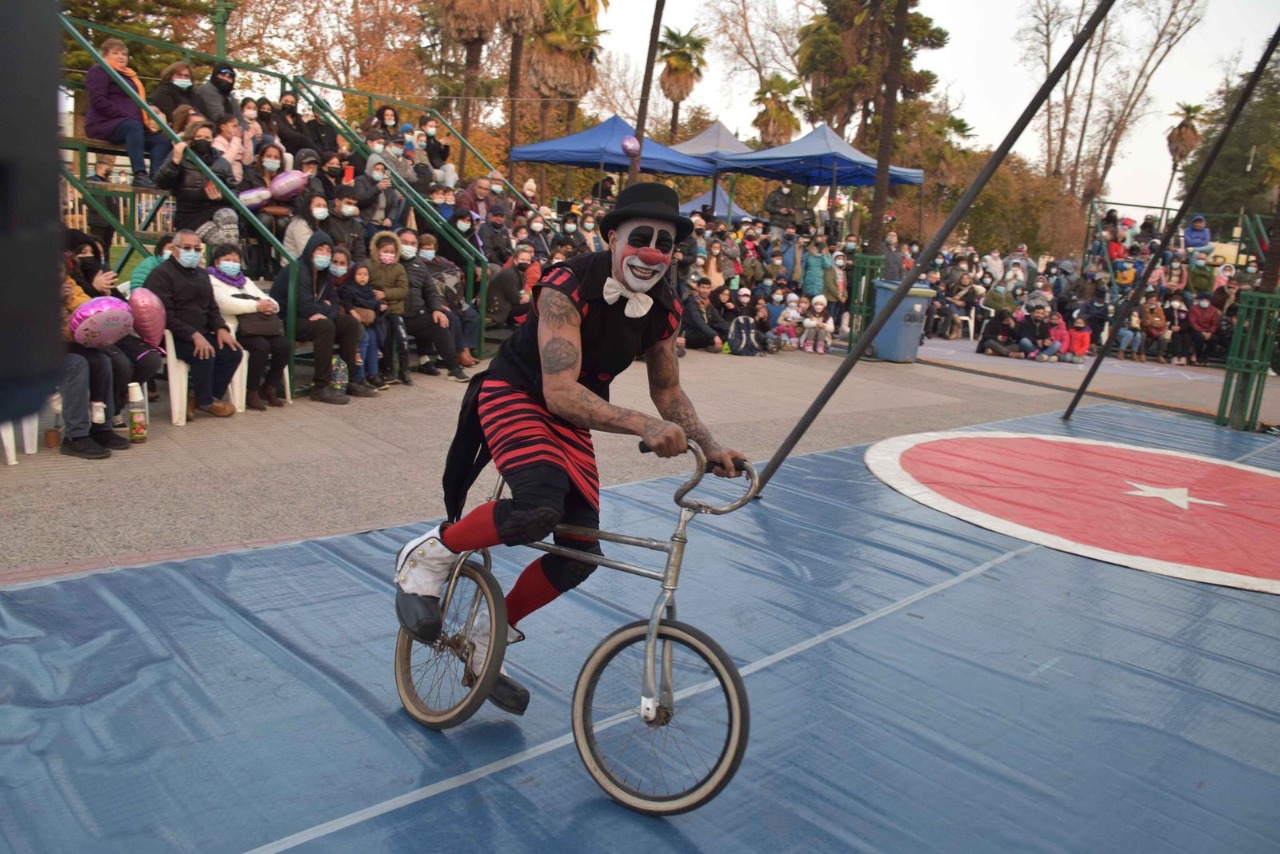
(683,58)
(520,18)
(470,23)
(1182,139)
(776,121)
(562,63)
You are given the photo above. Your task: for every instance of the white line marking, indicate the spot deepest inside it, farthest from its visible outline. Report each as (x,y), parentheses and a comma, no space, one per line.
(1257,451)
(351,819)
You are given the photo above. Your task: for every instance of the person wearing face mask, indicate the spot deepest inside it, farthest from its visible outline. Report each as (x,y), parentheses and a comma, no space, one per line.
(201,337)
(495,238)
(533,411)
(1203,318)
(196,198)
(174,89)
(538,238)
(254,318)
(781,209)
(261,262)
(375,195)
(814,264)
(312,211)
(588,239)
(1200,278)
(835,287)
(214,97)
(146,265)
(893,270)
(509,288)
(1180,332)
(114,116)
(998,296)
(390,283)
(344,226)
(450,282)
(254,135)
(230,141)
(290,128)
(425,320)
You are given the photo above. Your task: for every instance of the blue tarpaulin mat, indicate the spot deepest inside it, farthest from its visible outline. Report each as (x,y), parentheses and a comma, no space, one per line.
(916,683)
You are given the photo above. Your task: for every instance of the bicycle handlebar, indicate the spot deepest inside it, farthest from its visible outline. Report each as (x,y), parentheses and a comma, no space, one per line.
(702,467)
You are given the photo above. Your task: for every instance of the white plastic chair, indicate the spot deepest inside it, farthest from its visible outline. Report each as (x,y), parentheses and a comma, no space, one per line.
(239,387)
(968,319)
(30,431)
(179,381)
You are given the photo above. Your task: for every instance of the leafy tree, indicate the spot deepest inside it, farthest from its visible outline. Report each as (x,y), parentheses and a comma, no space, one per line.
(683,58)
(150,18)
(776,120)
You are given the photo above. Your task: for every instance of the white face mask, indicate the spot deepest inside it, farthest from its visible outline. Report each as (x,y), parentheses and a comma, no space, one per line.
(642,252)
(407,252)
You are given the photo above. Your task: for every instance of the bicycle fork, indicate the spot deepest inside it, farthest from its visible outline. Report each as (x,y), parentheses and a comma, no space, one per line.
(650,701)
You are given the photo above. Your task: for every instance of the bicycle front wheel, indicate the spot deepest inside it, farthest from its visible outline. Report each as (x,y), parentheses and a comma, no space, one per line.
(435,681)
(690,751)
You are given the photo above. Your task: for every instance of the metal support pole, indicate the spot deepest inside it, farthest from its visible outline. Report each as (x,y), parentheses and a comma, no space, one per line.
(935,244)
(1139,288)
(220,15)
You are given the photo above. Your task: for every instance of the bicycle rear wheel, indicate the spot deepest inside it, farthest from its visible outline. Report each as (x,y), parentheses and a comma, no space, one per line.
(435,681)
(690,751)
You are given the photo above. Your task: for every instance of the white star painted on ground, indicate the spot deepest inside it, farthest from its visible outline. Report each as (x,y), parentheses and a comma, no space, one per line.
(1177,496)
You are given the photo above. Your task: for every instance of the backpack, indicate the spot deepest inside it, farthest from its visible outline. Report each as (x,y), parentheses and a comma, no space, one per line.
(742,337)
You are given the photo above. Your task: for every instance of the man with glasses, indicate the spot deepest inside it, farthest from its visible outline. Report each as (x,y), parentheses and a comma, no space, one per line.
(200,335)
(478,198)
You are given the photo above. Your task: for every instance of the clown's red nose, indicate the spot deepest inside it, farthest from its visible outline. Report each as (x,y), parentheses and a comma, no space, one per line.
(652,257)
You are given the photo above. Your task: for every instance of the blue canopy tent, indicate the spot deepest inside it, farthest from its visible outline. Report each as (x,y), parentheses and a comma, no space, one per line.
(720,201)
(717,143)
(818,159)
(600,147)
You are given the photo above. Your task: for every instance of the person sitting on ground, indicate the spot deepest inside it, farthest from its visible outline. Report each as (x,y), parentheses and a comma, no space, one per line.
(424,317)
(447,279)
(313,211)
(818,327)
(318,316)
(998,336)
(173,91)
(1204,320)
(1197,236)
(86,388)
(1034,338)
(724,303)
(787,332)
(697,330)
(359,300)
(1079,340)
(1060,334)
(196,198)
(201,337)
(113,114)
(254,318)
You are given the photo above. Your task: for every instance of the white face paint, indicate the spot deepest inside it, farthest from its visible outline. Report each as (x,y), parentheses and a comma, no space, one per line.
(642,252)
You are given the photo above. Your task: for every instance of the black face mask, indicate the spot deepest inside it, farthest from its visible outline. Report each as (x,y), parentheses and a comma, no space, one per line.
(288,109)
(522,267)
(202,147)
(223,86)
(88,267)
(333,171)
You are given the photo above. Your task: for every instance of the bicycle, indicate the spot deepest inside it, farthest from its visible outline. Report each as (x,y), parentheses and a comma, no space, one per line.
(631,745)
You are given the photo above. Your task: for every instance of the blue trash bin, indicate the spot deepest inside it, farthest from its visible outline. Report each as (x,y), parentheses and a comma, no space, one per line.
(899,340)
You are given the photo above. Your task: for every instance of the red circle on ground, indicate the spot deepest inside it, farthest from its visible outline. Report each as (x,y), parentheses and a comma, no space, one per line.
(1165,512)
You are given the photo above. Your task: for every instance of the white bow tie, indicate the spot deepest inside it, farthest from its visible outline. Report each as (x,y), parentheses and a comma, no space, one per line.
(638,302)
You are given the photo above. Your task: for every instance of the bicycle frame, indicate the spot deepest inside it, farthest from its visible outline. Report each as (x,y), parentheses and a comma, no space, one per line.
(669,576)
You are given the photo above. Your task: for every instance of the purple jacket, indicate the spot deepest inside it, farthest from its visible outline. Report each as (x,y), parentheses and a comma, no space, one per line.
(109,105)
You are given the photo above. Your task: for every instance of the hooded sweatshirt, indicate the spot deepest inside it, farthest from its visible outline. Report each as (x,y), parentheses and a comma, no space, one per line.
(375,204)
(315,290)
(391,278)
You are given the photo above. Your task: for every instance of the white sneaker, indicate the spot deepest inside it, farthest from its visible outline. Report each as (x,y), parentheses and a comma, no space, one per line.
(423,564)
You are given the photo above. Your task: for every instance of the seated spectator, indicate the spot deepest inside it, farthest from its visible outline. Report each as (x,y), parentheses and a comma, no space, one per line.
(1131,340)
(787,333)
(438,150)
(1197,236)
(307,161)
(86,391)
(184,117)
(375,196)
(230,141)
(254,318)
(1154,324)
(725,303)
(818,327)
(1200,279)
(424,317)
(360,300)
(478,198)
(319,319)
(273,215)
(255,134)
(1204,320)
(495,240)
(201,337)
(465,232)
(1078,342)
(1097,313)
(447,278)
(998,336)
(113,114)
(604,189)
(1180,332)
(290,127)
(1034,338)
(1059,332)
(214,98)
(697,324)
(196,198)
(998,297)
(391,284)
(162,252)
(587,239)
(173,91)
(99,227)
(508,289)
(312,213)
(344,225)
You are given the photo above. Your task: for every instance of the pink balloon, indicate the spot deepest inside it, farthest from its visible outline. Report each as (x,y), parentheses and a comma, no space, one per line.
(630,146)
(101,322)
(286,185)
(255,198)
(148,315)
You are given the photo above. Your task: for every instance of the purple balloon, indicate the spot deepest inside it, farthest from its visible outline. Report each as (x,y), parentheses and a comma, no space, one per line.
(631,146)
(101,322)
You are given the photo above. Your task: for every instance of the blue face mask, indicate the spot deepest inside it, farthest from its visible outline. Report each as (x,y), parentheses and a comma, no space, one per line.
(182,82)
(777,297)
(1000,289)
(230,269)
(337,271)
(427,254)
(189,258)
(320,262)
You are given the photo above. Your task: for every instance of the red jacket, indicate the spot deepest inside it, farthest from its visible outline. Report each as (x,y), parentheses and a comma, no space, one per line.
(1059,332)
(1204,319)
(1080,339)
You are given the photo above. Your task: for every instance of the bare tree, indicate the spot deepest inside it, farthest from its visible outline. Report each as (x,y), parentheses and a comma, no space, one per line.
(1044,24)
(757,37)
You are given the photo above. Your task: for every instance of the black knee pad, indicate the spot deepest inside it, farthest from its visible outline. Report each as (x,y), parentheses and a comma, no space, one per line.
(566,574)
(535,506)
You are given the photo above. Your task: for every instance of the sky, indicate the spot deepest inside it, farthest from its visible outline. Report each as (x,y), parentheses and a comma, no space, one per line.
(980,70)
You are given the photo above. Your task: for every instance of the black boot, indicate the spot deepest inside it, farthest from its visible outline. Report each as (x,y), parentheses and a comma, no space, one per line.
(420,616)
(509,695)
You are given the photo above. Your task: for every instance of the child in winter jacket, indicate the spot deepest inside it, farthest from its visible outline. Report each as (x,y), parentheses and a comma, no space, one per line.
(358,299)
(818,327)
(1059,333)
(391,284)
(1079,338)
(788,329)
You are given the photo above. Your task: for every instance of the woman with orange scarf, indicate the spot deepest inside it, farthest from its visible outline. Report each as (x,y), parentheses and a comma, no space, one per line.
(114,116)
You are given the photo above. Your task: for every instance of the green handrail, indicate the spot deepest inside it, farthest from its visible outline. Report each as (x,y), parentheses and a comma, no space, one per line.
(228,196)
(99,207)
(477,268)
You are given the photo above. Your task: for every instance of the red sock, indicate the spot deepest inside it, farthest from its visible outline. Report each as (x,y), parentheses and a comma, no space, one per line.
(531,592)
(476,530)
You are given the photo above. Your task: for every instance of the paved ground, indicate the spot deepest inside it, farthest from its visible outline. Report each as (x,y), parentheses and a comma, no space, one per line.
(313,470)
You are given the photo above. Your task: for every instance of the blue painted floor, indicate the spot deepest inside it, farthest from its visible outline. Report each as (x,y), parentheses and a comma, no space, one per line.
(916,682)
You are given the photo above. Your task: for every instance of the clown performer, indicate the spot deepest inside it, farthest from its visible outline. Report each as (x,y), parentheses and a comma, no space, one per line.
(533,411)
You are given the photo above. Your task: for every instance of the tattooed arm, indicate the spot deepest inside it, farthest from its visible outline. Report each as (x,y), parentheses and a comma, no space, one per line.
(560,346)
(674,405)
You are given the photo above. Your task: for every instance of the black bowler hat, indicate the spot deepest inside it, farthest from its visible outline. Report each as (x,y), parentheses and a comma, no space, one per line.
(648,201)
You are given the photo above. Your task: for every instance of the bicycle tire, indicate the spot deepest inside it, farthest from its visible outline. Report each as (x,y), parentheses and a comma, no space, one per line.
(432,679)
(595,717)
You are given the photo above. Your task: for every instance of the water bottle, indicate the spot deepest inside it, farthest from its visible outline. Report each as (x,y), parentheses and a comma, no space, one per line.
(137,415)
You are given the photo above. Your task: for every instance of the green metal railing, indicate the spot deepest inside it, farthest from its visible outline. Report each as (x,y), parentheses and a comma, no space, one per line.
(231,198)
(862,292)
(93,200)
(477,268)
(1253,345)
